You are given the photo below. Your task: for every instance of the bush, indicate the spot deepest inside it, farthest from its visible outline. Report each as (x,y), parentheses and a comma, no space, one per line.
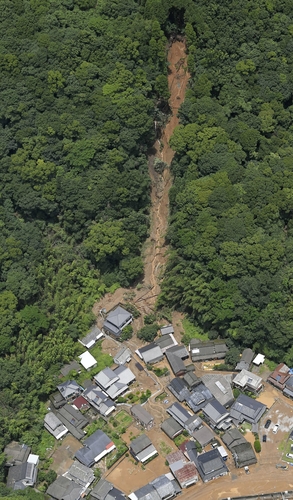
(148,333)
(221,367)
(236,393)
(126,333)
(132,309)
(149,319)
(257,446)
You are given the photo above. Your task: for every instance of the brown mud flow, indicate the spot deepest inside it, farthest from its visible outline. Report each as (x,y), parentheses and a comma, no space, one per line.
(155,253)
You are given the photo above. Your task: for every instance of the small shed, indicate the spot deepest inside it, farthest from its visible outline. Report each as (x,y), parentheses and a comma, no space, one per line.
(142,416)
(87,360)
(259,359)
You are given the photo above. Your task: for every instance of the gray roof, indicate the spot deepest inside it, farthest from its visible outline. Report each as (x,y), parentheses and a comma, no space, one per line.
(72,366)
(122,356)
(246,408)
(116,389)
(204,435)
(244,455)
(93,446)
(140,443)
(179,413)
(246,359)
(57,399)
(232,438)
(175,363)
(165,342)
(79,473)
(178,387)
(214,349)
(211,465)
(163,486)
(116,320)
(16,453)
(165,330)
(147,492)
(104,490)
(191,379)
(220,387)
(98,399)
(21,476)
(64,489)
(179,350)
(151,353)
(125,374)
(93,335)
(69,388)
(171,427)
(54,425)
(215,412)
(106,377)
(73,419)
(141,414)
(192,423)
(199,397)
(248,379)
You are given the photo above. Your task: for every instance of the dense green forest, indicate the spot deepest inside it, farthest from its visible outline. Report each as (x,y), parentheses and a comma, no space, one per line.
(231,232)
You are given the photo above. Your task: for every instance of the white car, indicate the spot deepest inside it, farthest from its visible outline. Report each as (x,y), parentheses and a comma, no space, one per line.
(276,428)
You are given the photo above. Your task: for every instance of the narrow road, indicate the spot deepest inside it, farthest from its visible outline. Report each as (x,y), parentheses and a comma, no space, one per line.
(155,254)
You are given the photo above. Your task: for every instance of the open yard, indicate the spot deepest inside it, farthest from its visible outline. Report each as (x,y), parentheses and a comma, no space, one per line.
(64,453)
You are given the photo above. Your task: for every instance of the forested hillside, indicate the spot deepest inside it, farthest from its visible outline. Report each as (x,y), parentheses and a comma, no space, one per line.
(81,85)
(231,231)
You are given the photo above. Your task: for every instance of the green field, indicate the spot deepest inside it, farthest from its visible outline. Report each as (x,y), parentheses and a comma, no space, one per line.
(191,331)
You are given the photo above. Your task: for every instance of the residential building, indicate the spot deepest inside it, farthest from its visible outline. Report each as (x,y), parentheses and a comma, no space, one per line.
(91,338)
(99,400)
(211,465)
(73,420)
(179,413)
(191,379)
(259,360)
(57,400)
(171,427)
(288,391)
(142,416)
(176,364)
(180,351)
(248,381)
(126,376)
(104,490)
(87,360)
(95,448)
(179,389)
(80,403)
(65,489)
(165,342)
(161,488)
(54,425)
(70,367)
(192,424)
(142,449)
(116,390)
(241,450)
(199,397)
(216,414)
(23,475)
(248,409)
(246,360)
(203,351)
(183,470)
(80,474)
(16,453)
(167,330)
(70,389)
(105,378)
(280,376)
(116,320)
(220,387)
(203,436)
(123,356)
(151,353)
(114,382)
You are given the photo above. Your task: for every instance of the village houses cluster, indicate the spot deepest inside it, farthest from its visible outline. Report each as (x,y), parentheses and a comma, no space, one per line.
(205,408)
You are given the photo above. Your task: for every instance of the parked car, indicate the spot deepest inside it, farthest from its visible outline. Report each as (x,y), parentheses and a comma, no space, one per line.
(276,428)
(264,438)
(268,423)
(289,455)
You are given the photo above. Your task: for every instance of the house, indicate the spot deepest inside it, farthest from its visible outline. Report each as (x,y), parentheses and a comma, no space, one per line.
(280,376)
(180,414)
(105,378)
(65,489)
(180,351)
(220,387)
(54,425)
(203,351)
(142,416)
(203,436)
(191,380)
(161,488)
(125,374)
(288,391)
(179,389)
(94,448)
(216,414)
(241,450)
(73,420)
(123,356)
(199,397)
(142,449)
(57,399)
(87,360)
(165,342)
(248,381)
(259,360)
(248,409)
(69,389)
(99,400)
(245,361)
(211,465)
(176,364)
(80,403)
(91,338)
(171,427)
(116,320)
(150,354)
(192,424)
(23,475)
(16,453)
(70,367)
(184,471)
(167,330)
(104,490)
(116,390)
(80,474)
